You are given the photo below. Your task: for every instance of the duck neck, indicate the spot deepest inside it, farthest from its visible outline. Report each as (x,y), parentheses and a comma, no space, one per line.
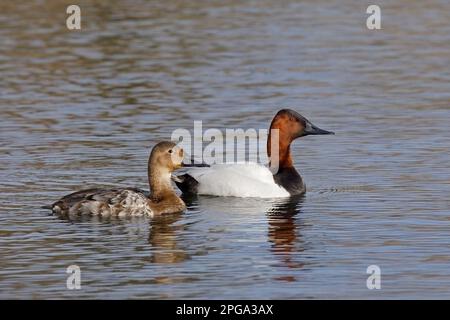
(283,158)
(160,185)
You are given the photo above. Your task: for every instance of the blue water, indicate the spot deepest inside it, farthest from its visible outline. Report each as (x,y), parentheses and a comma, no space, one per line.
(83,108)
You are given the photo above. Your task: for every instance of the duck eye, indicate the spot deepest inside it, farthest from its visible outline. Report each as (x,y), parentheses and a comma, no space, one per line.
(170,151)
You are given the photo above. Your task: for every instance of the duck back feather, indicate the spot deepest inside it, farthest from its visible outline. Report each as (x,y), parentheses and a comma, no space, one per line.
(105,202)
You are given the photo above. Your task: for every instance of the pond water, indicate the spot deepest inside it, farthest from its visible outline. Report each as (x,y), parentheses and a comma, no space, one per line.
(83,108)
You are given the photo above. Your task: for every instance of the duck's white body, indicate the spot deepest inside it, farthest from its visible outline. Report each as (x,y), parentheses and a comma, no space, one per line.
(247,179)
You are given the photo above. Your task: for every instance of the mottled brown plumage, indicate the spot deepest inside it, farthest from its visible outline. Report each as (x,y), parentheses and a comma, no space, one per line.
(164,158)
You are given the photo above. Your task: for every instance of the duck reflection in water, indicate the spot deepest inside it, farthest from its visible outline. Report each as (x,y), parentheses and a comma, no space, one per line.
(282,216)
(283,232)
(163,236)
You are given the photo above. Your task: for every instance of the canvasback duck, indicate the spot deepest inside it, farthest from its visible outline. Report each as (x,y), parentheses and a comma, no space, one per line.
(165,157)
(252,179)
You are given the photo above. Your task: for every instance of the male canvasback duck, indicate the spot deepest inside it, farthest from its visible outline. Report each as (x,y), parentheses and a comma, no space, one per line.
(165,157)
(252,179)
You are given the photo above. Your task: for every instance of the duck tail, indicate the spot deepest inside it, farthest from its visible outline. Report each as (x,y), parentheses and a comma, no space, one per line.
(186,183)
(49,207)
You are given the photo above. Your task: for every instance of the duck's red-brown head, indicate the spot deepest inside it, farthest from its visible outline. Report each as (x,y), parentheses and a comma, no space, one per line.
(290,125)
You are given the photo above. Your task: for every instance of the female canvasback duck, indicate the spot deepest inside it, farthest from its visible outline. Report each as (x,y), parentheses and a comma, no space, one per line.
(165,157)
(252,179)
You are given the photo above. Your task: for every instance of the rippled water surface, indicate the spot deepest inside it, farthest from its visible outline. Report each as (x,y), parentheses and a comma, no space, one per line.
(83,108)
